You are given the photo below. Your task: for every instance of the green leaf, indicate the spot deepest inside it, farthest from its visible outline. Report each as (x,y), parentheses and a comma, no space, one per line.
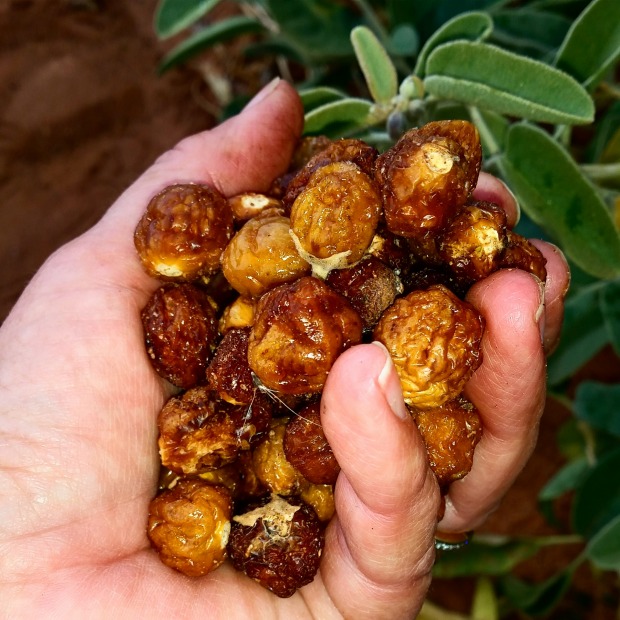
(599,405)
(597,501)
(530,32)
(610,305)
(583,334)
(566,479)
(404,40)
(320,29)
(474,26)
(315,97)
(592,45)
(216,33)
(376,65)
(346,113)
(556,195)
(490,77)
(172,16)
(484,605)
(604,548)
(541,598)
(485,558)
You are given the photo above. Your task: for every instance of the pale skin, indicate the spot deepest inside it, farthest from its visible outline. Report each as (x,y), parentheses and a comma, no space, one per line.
(79,400)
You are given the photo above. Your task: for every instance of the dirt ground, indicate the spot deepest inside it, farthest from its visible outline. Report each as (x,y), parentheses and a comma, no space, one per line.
(82,113)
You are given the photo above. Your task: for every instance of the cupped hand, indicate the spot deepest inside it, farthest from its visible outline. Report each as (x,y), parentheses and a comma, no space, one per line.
(79,400)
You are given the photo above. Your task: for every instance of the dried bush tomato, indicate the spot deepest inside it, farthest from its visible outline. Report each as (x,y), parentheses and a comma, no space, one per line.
(434,340)
(229,373)
(321,498)
(450,433)
(262,255)
(270,464)
(238,314)
(183,232)
(307,448)
(278,544)
(346,149)
(189,526)
(180,329)
(299,331)
(370,286)
(251,204)
(199,432)
(334,218)
(474,241)
(521,254)
(427,175)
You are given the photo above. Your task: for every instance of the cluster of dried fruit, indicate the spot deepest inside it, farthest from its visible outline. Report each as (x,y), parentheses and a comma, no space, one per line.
(263,292)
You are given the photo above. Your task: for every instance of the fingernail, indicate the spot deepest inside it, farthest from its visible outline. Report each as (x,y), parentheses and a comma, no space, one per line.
(264,93)
(517,205)
(539,317)
(390,385)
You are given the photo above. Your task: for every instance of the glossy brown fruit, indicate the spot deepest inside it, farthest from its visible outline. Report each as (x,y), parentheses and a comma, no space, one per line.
(450,433)
(279,545)
(307,448)
(370,286)
(335,217)
(427,175)
(521,254)
(183,232)
(180,329)
(434,340)
(474,241)
(189,526)
(262,255)
(299,331)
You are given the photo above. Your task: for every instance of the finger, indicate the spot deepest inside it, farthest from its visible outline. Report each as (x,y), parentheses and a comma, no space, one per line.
(509,391)
(556,288)
(491,189)
(245,152)
(379,548)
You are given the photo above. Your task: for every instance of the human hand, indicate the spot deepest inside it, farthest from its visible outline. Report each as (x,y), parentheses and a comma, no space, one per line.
(79,464)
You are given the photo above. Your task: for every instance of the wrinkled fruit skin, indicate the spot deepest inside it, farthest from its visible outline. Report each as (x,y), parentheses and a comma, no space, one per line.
(263,292)
(450,433)
(180,329)
(428,175)
(183,232)
(279,546)
(434,340)
(299,331)
(189,526)
(307,448)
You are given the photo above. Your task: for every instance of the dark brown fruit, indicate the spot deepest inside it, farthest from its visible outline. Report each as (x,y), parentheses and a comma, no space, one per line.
(279,545)
(474,241)
(189,526)
(180,329)
(434,340)
(347,149)
(450,433)
(229,373)
(427,175)
(198,432)
(370,286)
(521,254)
(183,232)
(299,331)
(307,448)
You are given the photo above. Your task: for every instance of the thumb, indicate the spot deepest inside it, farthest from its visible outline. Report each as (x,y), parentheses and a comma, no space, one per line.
(380,547)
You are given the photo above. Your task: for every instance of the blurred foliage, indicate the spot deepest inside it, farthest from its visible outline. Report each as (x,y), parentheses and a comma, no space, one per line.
(539,78)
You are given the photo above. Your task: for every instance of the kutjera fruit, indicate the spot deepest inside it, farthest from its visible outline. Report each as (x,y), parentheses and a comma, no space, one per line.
(261,293)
